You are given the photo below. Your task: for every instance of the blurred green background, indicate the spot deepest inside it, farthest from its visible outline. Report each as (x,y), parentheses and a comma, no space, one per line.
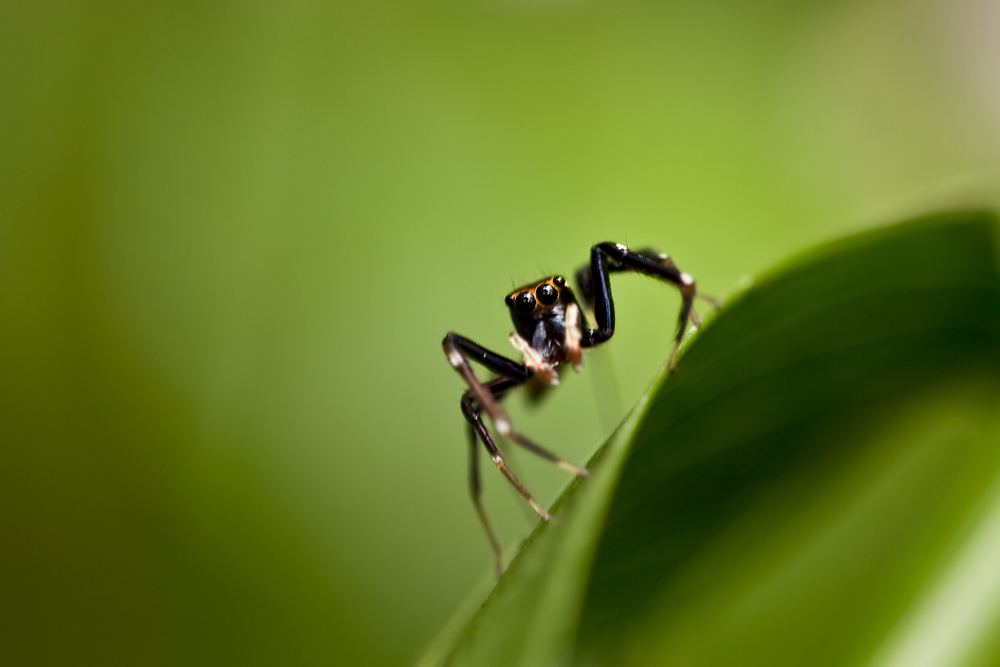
(232,236)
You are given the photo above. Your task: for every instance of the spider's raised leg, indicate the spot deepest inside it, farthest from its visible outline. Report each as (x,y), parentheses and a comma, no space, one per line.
(595,286)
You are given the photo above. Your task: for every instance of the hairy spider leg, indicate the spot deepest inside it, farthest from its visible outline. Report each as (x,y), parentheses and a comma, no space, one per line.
(482,396)
(595,284)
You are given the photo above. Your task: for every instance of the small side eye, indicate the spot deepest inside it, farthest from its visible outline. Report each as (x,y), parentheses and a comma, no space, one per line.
(509,299)
(559,281)
(547,294)
(525,302)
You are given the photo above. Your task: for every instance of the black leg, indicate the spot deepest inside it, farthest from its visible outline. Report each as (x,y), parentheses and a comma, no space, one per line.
(595,285)
(485,396)
(478,429)
(455,347)
(475,490)
(498,388)
(471,415)
(497,363)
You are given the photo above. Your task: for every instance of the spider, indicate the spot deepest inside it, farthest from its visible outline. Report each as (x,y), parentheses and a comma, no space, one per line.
(549,332)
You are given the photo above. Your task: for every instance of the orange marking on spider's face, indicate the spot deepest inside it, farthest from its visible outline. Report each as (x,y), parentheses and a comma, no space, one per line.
(542,294)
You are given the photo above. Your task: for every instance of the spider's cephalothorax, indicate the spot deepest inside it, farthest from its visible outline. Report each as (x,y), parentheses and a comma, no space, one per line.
(550,331)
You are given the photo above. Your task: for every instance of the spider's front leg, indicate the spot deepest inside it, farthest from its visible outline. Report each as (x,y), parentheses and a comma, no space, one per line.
(483,397)
(595,286)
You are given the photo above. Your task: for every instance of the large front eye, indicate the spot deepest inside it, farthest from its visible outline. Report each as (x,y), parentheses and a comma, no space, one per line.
(525,302)
(547,294)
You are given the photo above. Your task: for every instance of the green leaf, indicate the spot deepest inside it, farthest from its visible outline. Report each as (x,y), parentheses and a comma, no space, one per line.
(819,482)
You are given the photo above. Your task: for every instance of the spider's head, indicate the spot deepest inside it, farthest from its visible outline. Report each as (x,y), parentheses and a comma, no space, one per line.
(543,302)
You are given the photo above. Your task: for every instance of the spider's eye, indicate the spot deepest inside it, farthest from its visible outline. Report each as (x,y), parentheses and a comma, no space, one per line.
(509,299)
(547,294)
(559,281)
(525,302)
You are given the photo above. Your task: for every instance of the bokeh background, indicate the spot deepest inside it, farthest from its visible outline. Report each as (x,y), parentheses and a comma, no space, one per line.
(232,236)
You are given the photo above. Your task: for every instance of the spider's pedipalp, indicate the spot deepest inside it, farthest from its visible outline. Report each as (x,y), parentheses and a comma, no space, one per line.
(573,336)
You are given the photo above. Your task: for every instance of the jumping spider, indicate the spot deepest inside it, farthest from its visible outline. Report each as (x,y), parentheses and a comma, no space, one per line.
(550,331)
